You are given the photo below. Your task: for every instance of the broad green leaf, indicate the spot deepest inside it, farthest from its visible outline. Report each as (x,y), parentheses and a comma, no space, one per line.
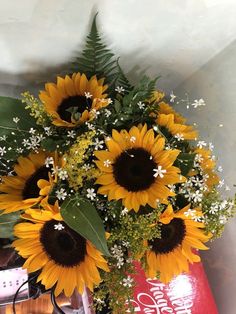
(15,132)
(185,162)
(11,108)
(7,223)
(80,215)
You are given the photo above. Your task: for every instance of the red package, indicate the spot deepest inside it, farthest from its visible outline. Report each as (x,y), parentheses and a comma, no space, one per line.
(188,293)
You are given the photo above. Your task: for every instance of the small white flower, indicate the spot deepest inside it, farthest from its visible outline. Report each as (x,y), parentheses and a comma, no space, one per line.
(107,163)
(48,130)
(90,126)
(227,188)
(49,161)
(71,134)
(94,113)
(16,119)
(62,174)
(2,151)
(61,194)
(133,139)
(19,150)
(59,226)
(201,144)
(3,138)
(190,213)
(172,187)
(222,220)
(124,212)
(197,196)
(198,158)
(127,282)
(198,103)
(98,144)
(107,113)
(159,172)
(119,89)
(220,169)
(198,219)
(109,101)
(221,183)
(25,142)
(32,131)
(211,146)
(172,97)
(197,181)
(91,194)
(179,137)
(88,95)
(141,105)
(214,209)
(97,300)
(86,167)
(213,157)
(120,263)
(223,204)
(168,146)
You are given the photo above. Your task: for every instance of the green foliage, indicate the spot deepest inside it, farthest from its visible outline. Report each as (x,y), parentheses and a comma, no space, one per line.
(96,58)
(81,216)
(9,109)
(125,111)
(185,162)
(223,210)
(122,80)
(12,133)
(7,223)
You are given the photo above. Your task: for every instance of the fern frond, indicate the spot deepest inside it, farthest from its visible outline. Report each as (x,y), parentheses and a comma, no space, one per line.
(122,80)
(96,58)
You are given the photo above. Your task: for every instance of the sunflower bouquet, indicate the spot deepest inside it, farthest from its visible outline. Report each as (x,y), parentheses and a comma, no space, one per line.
(97,173)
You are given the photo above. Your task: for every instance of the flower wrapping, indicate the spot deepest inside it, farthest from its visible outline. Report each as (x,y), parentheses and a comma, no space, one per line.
(97,173)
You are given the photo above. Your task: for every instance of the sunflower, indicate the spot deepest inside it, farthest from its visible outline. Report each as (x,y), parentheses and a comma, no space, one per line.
(168,121)
(156,96)
(66,260)
(136,168)
(73,100)
(164,108)
(170,255)
(207,165)
(30,185)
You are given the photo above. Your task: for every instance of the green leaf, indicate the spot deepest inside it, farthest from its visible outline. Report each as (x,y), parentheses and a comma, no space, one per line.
(15,132)
(11,108)
(122,80)
(117,106)
(81,216)
(7,223)
(185,162)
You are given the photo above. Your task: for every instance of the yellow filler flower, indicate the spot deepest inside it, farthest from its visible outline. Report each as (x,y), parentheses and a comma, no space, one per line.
(32,182)
(66,259)
(136,168)
(170,255)
(73,100)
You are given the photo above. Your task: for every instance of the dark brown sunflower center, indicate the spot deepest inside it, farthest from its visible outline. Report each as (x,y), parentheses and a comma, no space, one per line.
(73,105)
(31,189)
(133,169)
(62,244)
(172,235)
